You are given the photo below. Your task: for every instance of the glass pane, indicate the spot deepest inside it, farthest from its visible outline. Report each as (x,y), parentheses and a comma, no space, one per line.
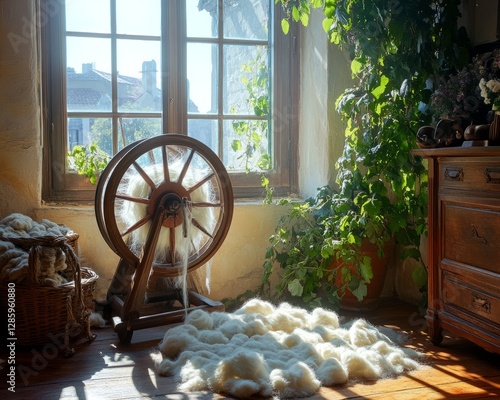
(138,17)
(88,16)
(139,76)
(206,131)
(133,129)
(246,80)
(85,131)
(201,18)
(246,145)
(246,19)
(202,74)
(88,74)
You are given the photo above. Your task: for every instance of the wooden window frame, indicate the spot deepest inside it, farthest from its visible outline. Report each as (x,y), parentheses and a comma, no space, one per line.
(59,186)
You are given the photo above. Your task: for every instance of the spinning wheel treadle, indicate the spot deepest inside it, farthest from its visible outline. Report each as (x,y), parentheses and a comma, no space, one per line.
(164,205)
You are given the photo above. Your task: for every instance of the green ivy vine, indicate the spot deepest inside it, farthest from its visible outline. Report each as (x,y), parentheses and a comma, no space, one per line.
(396,48)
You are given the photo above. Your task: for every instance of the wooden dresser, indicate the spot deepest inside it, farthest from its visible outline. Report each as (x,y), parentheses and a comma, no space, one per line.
(464,244)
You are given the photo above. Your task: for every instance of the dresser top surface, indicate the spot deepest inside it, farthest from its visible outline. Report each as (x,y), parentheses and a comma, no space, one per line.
(479,151)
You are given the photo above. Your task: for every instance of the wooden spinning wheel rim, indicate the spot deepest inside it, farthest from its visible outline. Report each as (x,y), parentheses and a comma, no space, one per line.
(101,185)
(163,196)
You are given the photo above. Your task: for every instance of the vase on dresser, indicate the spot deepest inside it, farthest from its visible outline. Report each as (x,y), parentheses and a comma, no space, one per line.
(494,134)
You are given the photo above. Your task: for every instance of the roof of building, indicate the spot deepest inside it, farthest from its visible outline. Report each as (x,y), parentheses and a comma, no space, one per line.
(130,89)
(82,96)
(96,75)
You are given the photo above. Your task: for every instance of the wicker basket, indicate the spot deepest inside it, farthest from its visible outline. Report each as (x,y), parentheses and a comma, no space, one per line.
(52,314)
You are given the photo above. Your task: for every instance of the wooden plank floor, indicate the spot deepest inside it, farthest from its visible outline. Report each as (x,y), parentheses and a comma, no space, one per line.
(105,369)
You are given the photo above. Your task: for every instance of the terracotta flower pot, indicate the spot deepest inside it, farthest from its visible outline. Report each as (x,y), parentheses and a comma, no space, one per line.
(374,289)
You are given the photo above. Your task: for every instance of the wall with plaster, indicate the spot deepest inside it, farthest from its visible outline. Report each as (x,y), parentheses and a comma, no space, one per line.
(325,73)
(237,266)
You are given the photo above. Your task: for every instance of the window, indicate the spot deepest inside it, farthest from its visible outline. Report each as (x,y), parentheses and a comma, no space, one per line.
(221,71)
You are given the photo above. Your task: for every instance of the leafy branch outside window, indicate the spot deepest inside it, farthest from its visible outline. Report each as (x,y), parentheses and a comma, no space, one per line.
(252,144)
(88,160)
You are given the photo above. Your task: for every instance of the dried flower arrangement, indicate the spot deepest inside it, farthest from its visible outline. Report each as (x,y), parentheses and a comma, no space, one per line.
(460,94)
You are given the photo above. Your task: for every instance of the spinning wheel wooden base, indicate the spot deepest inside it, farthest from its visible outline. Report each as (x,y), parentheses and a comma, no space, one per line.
(164,205)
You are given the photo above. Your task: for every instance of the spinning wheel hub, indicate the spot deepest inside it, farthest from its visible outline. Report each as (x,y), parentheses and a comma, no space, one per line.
(172,203)
(172,196)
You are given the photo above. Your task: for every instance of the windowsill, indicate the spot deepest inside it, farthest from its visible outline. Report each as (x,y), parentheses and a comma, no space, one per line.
(90,207)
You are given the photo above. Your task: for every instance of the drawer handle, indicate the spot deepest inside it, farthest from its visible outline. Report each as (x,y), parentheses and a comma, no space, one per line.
(475,235)
(481,304)
(492,175)
(453,174)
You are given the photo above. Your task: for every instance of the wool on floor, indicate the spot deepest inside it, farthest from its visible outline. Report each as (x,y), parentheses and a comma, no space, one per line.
(282,351)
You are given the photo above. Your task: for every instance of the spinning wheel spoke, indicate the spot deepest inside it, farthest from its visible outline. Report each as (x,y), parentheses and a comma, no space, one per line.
(172,245)
(193,246)
(137,225)
(151,157)
(140,200)
(201,228)
(205,204)
(202,182)
(144,175)
(185,168)
(166,170)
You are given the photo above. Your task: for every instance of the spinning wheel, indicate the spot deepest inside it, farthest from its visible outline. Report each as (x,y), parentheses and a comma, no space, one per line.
(164,205)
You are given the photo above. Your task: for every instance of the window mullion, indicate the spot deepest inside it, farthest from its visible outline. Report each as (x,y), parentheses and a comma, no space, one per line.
(55,99)
(182,66)
(114,78)
(174,58)
(166,68)
(220,80)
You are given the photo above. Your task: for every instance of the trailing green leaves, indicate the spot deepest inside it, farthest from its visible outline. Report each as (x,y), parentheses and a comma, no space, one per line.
(88,160)
(395,48)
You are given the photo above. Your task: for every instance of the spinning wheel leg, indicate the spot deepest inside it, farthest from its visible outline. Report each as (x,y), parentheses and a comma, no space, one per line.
(135,301)
(124,334)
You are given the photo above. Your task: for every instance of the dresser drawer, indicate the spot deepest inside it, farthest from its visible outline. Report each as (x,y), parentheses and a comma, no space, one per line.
(470,173)
(471,236)
(471,297)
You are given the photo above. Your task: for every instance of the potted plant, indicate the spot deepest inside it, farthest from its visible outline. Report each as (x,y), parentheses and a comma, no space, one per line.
(317,246)
(381,186)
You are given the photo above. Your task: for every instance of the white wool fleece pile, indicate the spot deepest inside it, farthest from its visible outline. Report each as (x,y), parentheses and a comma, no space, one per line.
(281,351)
